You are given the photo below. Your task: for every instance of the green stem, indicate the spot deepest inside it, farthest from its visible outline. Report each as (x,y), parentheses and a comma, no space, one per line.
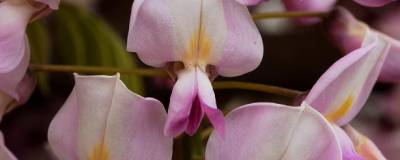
(96,70)
(257,87)
(160,73)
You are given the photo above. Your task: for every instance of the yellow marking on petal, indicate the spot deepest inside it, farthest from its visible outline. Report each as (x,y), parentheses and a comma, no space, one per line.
(100,152)
(341,111)
(367,149)
(199,49)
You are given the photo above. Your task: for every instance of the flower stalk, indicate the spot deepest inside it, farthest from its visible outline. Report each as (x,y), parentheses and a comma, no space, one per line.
(160,73)
(269,15)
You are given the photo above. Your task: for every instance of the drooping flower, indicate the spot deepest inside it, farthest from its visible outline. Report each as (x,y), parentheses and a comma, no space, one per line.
(261,132)
(363,145)
(315,6)
(15,85)
(374,3)
(349,34)
(342,91)
(103,120)
(200,38)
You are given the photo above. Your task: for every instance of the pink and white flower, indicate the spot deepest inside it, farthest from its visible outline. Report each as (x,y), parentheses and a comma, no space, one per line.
(201,39)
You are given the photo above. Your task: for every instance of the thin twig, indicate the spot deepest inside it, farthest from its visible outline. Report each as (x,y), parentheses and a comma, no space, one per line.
(96,70)
(160,73)
(260,16)
(257,87)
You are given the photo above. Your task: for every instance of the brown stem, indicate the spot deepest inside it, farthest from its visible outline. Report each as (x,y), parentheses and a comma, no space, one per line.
(260,16)
(160,73)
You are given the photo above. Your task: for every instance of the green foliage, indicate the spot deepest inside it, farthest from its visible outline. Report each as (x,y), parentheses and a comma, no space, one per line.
(40,52)
(82,38)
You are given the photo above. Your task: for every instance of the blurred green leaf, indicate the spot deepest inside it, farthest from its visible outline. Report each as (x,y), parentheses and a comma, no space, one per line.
(40,52)
(85,39)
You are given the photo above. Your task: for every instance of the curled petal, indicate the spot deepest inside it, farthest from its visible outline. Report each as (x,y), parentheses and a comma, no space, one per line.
(263,131)
(349,34)
(346,31)
(373,3)
(14,49)
(364,146)
(309,5)
(102,119)
(53,4)
(191,98)
(208,103)
(346,145)
(389,25)
(216,32)
(341,91)
(249,2)
(181,108)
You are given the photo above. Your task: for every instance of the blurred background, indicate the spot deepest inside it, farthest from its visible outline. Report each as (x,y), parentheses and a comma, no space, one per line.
(93,33)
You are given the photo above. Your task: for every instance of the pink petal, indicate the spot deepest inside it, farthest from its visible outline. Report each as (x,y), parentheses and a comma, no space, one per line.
(165,25)
(217,32)
(263,131)
(365,147)
(373,3)
(309,6)
(102,119)
(62,133)
(243,47)
(183,95)
(53,4)
(208,102)
(389,25)
(341,91)
(346,145)
(14,50)
(348,33)
(249,2)
(191,97)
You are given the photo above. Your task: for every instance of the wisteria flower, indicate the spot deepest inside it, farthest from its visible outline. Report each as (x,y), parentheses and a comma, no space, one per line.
(270,131)
(200,38)
(315,6)
(349,34)
(15,85)
(103,120)
(343,90)
(261,132)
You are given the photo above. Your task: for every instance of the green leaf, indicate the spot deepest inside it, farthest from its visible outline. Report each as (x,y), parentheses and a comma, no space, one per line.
(40,52)
(70,45)
(86,39)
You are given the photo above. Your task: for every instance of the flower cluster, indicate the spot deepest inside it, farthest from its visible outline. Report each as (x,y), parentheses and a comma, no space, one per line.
(196,41)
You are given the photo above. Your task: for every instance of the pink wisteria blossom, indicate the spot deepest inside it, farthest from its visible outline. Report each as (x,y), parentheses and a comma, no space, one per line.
(103,120)
(348,33)
(15,85)
(199,39)
(315,6)
(267,131)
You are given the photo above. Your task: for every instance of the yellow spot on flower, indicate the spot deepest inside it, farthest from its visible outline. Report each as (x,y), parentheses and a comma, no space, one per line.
(198,50)
(341,111)
(100,152)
